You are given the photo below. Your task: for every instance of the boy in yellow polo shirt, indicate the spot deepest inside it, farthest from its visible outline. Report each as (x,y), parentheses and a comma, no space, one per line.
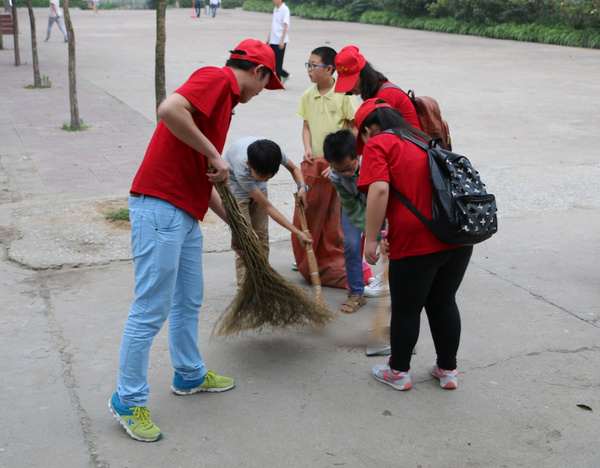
(324,111)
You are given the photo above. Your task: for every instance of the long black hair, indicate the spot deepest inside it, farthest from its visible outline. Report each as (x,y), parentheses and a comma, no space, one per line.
(370,81)
(389,118)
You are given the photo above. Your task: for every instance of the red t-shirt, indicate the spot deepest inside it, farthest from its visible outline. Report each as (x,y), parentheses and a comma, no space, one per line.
(176,172)
(405,166)
(399,100)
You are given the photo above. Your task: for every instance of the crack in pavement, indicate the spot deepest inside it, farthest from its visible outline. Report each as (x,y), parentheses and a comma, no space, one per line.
(537,296)
(69,380)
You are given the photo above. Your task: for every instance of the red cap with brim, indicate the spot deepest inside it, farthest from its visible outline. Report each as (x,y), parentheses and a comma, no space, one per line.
(348,64)
(261,54)
(362,113)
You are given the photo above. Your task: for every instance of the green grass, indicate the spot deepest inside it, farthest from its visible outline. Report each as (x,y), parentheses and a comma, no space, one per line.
(67,128)
(121,214)
(46,83)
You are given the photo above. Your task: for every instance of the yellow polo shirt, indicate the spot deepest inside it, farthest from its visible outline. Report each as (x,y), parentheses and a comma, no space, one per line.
(325,114)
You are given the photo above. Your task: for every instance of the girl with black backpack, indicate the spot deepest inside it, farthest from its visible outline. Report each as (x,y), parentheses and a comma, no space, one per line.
(424,272)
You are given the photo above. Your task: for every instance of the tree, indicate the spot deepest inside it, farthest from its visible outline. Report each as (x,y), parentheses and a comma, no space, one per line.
(161,39)
(75,120)
(16,33)
(37,80)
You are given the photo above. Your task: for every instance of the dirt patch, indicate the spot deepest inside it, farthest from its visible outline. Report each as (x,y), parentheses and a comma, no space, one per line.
(102,209)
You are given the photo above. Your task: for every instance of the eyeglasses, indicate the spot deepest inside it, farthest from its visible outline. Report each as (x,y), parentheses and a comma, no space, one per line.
(312,66)
(349,171)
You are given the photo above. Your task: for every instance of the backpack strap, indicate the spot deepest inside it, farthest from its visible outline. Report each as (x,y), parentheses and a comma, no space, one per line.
(393,86)
(402,198)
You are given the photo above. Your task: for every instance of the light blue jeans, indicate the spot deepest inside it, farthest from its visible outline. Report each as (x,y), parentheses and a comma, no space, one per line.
(352,256)
(61,26)
(167,250)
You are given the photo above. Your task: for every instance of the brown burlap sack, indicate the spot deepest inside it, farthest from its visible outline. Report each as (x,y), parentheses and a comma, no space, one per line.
(323,216)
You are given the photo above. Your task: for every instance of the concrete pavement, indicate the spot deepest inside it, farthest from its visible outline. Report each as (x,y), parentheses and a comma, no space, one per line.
(525,114)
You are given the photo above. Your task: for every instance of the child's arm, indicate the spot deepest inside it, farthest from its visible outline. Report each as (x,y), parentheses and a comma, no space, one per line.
(353,128)
(278,217)
(176,112)
(377,200)
(299,179)
(354,208)
(307,141)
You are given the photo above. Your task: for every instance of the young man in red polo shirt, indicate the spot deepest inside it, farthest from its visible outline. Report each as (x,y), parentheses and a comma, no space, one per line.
(172,191)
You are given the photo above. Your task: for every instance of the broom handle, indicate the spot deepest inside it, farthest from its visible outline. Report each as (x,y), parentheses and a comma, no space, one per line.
(312,260)
(379,316)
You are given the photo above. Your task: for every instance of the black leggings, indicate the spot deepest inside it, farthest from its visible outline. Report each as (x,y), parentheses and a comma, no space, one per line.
(429,281)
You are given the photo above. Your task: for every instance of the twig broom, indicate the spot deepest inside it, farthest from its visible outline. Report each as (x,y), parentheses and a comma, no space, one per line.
(265,298)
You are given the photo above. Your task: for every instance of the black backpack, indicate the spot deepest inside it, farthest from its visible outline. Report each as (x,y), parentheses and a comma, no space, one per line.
(463,213)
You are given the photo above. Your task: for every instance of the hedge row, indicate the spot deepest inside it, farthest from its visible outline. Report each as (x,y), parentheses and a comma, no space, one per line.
(578,33)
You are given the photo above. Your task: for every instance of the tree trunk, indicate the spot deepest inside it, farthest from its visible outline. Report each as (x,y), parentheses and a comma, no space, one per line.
(75,120)
(37,80)
(161,38)
(16,33)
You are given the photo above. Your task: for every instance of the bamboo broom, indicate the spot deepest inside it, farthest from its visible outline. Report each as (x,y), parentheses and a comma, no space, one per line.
(379,331)
(312,259)
(265,298)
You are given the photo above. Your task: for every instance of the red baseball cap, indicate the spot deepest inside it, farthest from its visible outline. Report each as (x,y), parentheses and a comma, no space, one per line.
(260,53)
(348,63)
(362,113)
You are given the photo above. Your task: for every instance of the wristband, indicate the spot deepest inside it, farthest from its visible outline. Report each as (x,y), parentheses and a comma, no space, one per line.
(303,185)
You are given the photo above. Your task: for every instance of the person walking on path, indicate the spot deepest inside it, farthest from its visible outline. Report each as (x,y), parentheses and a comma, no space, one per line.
(424,272)
(213,7)
(278,37)
(198,5)
(55,16)
(171,192)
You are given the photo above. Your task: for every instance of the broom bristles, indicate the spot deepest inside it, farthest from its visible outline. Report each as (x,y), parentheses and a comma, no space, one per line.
(265,298)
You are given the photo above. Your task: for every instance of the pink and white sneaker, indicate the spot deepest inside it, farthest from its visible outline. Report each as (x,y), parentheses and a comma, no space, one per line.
(448,378)
(398,380)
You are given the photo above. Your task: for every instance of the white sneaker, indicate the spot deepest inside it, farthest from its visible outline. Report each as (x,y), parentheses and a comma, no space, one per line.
(372,279)
(375,289)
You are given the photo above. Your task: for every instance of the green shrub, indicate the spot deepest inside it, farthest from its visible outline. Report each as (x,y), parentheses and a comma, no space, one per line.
(407,8)
(376,17)
(258,5)
(580,13)
(232,3)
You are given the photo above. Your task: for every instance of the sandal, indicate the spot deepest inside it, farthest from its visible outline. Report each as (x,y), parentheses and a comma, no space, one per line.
(354,302)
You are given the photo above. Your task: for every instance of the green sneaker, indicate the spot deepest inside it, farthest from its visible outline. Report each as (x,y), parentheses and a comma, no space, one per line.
(210,383)
(136,420)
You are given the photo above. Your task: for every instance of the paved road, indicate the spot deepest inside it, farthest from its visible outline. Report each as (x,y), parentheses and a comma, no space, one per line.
(526,114)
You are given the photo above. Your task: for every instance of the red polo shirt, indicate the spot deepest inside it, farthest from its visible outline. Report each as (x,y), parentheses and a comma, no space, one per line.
(405,166)
(399,100)
(176,172)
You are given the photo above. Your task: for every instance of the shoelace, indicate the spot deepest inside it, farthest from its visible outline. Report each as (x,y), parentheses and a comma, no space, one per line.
(210,376)
(375,284)
(143,415)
